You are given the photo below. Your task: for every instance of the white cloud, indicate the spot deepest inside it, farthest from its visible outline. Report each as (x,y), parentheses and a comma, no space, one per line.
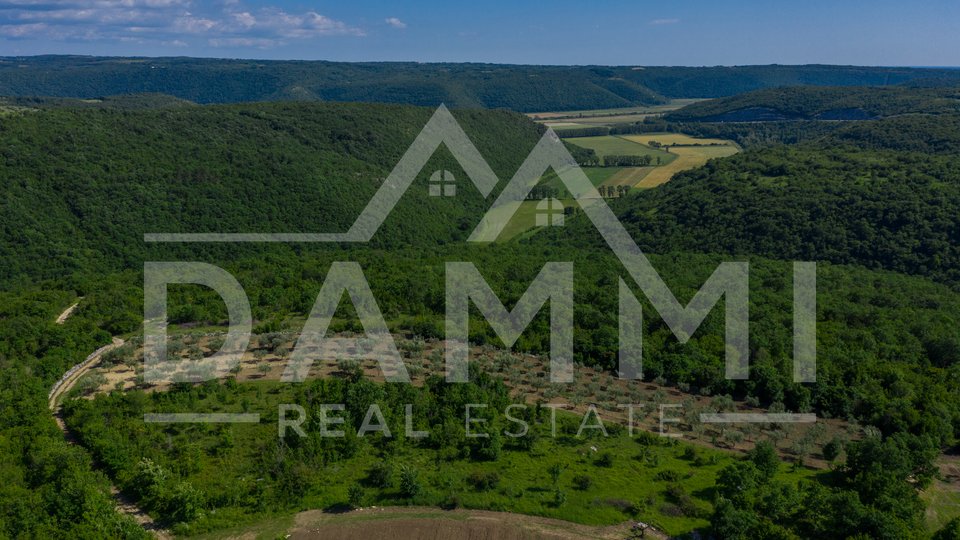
(167,22)
(661,22)
(395,22)
(259,43)
(22,30)
(245,19)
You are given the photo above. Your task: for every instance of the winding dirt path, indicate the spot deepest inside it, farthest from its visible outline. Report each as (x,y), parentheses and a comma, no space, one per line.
(62,388)
(67,312)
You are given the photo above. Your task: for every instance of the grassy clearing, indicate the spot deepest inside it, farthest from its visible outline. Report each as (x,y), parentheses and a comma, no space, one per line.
(659,480)
(523,220)
(943,504)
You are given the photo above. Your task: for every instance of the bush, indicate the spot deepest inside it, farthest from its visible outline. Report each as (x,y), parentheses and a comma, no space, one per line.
(604,460)
(582,482)
(764,456)
(684,503)
(483,481)
(381,475)
(410,485)
(623,505)
(184,504)
(667,475)
(832,449)
(452,502)
(356,495)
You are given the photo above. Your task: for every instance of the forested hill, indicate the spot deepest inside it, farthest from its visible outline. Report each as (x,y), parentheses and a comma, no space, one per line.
(520,88)
(822,103)
(80,187)
(851,197)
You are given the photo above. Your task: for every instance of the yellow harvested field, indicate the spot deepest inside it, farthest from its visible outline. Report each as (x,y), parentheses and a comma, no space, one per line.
(562,124)
(629,177)
(688,157)
(673,138)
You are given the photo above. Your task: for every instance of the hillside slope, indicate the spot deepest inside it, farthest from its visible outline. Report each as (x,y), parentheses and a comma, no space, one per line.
(80,187)
(850,197)
(826,103)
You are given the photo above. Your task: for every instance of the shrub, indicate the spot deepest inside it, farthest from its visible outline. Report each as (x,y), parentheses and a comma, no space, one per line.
(356,495)
(832,449)
(582,482)
(559,498)
(410,485)
(604,460)
(623,505)
(483,481)
(667,475)
(381,475)
(764,456)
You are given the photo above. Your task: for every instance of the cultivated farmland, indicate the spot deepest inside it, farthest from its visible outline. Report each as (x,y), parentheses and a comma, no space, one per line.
(689,153)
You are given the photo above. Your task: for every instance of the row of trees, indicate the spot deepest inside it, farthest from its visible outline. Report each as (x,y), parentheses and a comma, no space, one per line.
(613,160)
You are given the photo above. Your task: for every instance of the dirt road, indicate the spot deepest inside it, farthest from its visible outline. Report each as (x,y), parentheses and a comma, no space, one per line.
(67,312)
(62,388)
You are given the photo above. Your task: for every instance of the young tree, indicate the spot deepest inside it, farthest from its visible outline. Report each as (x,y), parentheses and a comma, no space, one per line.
(764,457)
(356,495)
(554,471)
(832,449)
(410,485)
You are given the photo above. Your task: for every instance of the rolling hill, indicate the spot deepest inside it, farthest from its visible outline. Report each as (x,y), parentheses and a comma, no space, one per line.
(517,87)
(827,103)
(80,186)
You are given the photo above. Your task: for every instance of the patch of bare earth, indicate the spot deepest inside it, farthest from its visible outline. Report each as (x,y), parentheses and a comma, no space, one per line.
(417,523)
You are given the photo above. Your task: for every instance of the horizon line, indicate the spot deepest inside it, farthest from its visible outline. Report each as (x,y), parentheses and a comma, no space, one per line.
(475,62)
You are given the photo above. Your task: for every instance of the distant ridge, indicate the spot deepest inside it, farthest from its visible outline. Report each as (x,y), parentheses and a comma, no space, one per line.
(517,87)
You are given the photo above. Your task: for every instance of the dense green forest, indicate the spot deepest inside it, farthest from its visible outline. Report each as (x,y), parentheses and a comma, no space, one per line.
(49,488)
(827,103)
(846,198)
(520,88)
(74,199)
(871,201)
(887,358)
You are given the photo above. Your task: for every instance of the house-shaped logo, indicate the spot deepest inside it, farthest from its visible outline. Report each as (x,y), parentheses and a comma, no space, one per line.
(729,281)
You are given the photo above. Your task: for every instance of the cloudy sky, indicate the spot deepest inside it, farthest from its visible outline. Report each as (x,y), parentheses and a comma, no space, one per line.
(878,32)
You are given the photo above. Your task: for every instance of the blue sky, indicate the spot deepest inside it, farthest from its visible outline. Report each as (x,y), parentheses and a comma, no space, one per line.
(879,32)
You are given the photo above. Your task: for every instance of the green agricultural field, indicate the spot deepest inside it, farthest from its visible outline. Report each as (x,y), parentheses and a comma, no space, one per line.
(607,145)
(596,175)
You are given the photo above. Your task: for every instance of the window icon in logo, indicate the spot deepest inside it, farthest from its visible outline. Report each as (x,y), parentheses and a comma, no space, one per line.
(443,183)
(549,212)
